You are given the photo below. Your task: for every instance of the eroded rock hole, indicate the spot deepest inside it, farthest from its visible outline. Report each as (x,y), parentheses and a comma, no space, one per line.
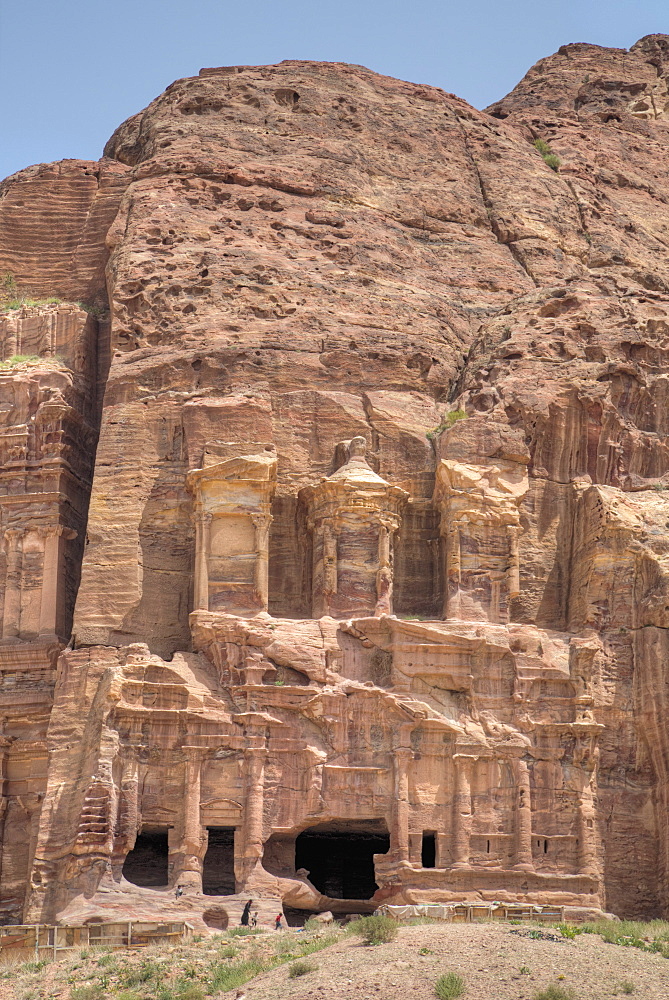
(218,872)
(216,917)
(428,854)
(340,861)
(146,864)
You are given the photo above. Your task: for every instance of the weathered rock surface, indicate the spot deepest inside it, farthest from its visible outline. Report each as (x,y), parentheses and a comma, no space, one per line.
(374,591)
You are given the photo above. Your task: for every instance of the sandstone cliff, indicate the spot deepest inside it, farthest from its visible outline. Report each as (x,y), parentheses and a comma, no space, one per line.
(370,603)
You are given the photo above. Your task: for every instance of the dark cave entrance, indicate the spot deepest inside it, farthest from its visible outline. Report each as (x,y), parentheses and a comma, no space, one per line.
(146,864)
(340,858)
(218,871)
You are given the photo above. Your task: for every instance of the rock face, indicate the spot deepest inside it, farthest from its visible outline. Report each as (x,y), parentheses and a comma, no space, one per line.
(373,595)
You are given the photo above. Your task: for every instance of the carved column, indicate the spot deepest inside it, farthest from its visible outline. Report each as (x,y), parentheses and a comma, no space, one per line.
(462,811)
(192,840)
(513,571)
(262,524)
(384,576)
(254,802)
(201,582)
(11,619)
(523,816)
(329,562)
(399,833)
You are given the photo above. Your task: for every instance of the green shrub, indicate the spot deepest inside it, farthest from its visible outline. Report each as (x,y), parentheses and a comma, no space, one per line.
(569,931)
(312,925)
(375,929)
(244,931)
(449,986)
(555,992)
(553,161)
(228,952)
(627,987)
(35,966)
(301,968)
(542,146)
(189,992)
(525,970)
(143,973)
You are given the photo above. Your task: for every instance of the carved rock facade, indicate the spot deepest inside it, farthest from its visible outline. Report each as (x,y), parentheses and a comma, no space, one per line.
(370,600)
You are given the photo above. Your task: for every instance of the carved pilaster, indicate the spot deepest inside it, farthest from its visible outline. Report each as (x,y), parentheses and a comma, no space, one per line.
(11,618)
(399,832)
(523,816)
(462,811)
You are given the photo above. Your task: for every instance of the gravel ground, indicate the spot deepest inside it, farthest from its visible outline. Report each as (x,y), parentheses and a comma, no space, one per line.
(488,957)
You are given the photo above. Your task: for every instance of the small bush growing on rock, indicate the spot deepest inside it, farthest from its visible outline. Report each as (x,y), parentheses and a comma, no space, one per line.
(555,992)
(449,986)
(627,987)
(569,931)
(301,968)
(447,422)
(550,158)
(375,929)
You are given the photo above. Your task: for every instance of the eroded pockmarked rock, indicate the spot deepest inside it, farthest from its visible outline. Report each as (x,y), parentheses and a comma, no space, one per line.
(374,578)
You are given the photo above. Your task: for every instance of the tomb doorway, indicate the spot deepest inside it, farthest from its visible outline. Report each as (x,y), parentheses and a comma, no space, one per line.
(218,870)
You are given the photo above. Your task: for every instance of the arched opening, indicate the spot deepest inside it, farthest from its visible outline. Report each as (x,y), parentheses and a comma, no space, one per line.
(146,864)
(218,870)
(340,857)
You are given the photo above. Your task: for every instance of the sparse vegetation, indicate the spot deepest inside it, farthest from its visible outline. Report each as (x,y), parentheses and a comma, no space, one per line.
(301,968)
(13,297)
(525,970)
(449,986)
(652,936)
(447,422)
(19,359)
(551,159)
(627,987)
(92,991)
(375,929)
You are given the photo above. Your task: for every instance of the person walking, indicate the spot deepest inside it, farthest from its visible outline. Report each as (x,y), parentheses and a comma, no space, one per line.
(245,913)
(277,922)
(179,891)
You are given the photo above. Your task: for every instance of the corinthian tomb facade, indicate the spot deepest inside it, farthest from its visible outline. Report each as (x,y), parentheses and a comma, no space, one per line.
(354,516)
(232,520)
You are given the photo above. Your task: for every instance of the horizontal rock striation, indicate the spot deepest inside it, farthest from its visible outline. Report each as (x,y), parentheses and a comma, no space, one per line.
(364,591)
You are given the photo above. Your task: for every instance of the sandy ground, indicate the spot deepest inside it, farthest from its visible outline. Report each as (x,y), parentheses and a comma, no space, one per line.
(489,958)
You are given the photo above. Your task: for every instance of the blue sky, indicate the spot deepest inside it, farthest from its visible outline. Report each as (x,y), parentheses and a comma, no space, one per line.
(72,70)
